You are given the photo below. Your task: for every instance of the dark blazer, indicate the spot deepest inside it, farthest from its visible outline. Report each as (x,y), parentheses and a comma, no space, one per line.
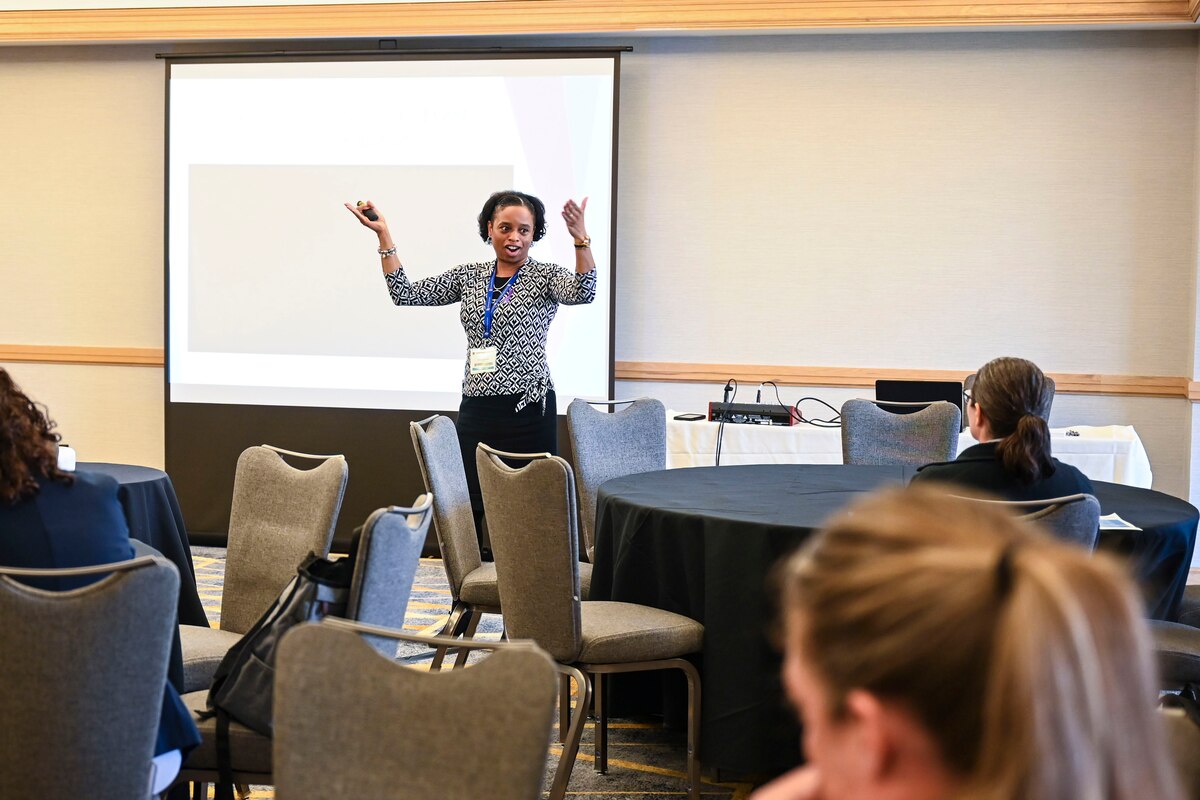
(79,525)
(978,467)
(66,526)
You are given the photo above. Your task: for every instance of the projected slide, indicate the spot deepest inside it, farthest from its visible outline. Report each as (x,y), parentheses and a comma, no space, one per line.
(276,296)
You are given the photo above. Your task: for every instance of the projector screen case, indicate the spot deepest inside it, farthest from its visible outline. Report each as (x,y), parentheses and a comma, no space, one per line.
(278,326)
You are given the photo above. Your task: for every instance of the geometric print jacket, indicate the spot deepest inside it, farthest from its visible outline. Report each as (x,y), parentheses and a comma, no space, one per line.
(520,324)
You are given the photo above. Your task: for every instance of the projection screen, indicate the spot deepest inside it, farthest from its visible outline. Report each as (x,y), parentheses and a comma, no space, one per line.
(275,298)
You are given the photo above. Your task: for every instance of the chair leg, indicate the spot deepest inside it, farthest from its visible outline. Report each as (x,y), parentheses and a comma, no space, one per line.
(450,629)
(601,732)
(566,763)
(564,706)
(693,745)
(469,633)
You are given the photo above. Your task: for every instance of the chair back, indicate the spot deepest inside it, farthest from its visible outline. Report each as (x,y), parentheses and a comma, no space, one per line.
(83,673)
(631,440)
(1074,518)
(280,514)
(483,731)
(436,442)
(872,435)
(389,552)
(531,518)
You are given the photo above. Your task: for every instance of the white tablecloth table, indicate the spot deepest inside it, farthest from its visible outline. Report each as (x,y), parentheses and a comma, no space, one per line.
(1112,453)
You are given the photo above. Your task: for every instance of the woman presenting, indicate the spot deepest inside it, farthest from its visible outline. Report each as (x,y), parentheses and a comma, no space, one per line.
(506,307)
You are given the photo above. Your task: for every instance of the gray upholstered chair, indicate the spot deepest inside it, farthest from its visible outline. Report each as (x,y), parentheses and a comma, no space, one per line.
(532,517)
(389,552)
(280,514)
(873,435)
(484,730)
(633,439)
(473,589)
(1074,518)
(249,751)
(83,673)
(472,582)
(1189,606)
(1177,647)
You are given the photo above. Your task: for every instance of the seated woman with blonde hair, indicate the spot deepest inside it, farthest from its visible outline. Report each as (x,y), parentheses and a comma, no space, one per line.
(939,648)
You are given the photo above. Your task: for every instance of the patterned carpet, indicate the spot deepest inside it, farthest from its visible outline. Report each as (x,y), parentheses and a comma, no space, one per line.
(645,760)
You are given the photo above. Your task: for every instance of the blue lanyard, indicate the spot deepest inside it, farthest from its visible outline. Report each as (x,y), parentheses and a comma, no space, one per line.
(490,301)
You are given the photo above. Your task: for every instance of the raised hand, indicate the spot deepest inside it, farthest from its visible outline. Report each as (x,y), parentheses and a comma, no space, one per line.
(379,225)
(573,215)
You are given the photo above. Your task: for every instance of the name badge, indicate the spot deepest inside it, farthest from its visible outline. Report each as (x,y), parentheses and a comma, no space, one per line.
(481,360)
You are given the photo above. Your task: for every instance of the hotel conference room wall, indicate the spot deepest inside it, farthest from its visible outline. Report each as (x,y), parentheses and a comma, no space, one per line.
(904,201)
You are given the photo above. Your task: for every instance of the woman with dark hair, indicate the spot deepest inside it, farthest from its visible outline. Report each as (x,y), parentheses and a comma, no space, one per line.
(1008,404)
(506,307)
(53,519)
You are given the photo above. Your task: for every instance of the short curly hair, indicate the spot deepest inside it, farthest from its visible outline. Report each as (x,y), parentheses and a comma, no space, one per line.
(511,197)
(27,444)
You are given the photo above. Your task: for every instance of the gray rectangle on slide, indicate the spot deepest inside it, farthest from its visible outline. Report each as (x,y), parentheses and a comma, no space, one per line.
(278,266)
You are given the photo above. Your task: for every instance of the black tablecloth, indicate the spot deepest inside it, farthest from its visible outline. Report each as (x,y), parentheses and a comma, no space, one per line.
(1160,554)
(701,542)
(153,515)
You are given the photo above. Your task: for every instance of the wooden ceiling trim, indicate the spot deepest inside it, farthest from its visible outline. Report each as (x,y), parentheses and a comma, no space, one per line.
(491,17)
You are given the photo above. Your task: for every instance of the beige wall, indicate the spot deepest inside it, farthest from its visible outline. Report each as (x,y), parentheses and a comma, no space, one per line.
(910,201)
(106,413)
(81,233)
(874,200)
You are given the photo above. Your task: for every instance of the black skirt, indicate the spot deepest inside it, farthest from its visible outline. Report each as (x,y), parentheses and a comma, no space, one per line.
(491,420)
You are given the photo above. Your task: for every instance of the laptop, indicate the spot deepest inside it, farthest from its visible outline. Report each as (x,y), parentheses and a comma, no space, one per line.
(918,392)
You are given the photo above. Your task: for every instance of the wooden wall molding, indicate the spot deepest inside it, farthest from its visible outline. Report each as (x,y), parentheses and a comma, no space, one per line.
(679,372)
(857,377)
(492,17)
(103,356)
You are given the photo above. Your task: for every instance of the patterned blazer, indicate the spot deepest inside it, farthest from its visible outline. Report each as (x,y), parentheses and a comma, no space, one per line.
(520,323)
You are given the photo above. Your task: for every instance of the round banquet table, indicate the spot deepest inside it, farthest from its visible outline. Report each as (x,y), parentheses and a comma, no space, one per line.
(153,515)
(701,542)
(1160,554)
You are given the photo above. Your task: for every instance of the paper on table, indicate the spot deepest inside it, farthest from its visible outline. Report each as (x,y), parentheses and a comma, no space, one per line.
(1112,522)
